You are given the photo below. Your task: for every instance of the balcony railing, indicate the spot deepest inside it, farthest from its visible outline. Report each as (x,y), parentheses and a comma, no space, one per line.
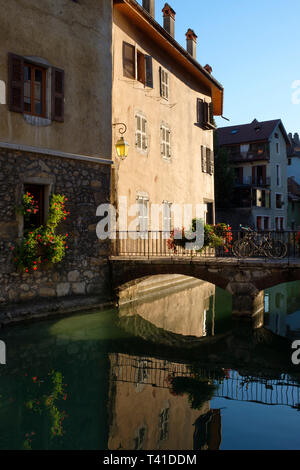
(249,181)
(249,156)
(151,244)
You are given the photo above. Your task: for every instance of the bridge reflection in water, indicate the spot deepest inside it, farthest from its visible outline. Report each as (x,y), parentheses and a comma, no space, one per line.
(162,403)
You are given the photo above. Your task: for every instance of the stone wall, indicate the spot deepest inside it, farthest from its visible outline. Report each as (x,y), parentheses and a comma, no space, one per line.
(84,269)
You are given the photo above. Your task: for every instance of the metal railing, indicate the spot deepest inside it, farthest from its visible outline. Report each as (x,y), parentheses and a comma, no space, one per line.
(143,371)
(149,244)
(250,181)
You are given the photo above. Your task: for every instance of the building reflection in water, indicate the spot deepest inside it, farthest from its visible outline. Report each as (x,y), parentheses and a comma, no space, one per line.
(282,314)
(146,412)
(182,305)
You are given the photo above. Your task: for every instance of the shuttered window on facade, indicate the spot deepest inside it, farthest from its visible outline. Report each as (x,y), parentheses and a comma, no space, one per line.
(205,114)
(141,141)
(207,160)
(137,65)
(203,159)
(143,210)
(164,83)
(27,88)
(165,141)
(128,60)
(167,216)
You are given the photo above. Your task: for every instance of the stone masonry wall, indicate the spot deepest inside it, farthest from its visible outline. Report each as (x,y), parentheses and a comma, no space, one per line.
(84,270)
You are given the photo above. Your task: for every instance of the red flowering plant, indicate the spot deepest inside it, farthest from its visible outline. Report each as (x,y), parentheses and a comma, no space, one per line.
(224,231)
(43,244)
(29,205)
(214,236)
(177,239)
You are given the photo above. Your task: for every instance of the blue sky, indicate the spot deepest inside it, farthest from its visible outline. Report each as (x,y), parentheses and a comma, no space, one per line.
(253,47)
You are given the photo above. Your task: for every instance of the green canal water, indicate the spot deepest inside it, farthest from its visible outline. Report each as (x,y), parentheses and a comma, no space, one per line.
(172,373)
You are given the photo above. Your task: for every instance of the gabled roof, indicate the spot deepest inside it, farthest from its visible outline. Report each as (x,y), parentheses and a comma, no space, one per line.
(254,132)
(139,16)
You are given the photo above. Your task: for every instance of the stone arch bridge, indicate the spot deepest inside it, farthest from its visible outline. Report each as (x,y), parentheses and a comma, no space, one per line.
(244,279)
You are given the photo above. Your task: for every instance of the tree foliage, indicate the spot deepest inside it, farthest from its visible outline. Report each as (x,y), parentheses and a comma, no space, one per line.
(224,176)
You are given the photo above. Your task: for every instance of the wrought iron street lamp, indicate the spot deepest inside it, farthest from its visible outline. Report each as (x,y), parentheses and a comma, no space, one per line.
(122,147)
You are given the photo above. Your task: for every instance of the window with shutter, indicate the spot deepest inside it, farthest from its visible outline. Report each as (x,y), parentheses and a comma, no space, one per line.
(164,83)
(57,94)
(149,71)
(141,133)
(141,68)
(16,83)
(200,111)
(203,159)
(167,216)
(28,86)
(128,60)
(34,90)
(143,210)
(165,141)
(205,114)
(212,163)
(208,162)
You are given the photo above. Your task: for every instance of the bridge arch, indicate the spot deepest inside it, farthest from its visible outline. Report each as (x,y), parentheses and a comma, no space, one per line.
(244,279)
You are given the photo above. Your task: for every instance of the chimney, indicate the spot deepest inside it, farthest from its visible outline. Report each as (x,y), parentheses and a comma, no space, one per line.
(191,43)
(149,6)
(208,68)
(169,19)
(296,139)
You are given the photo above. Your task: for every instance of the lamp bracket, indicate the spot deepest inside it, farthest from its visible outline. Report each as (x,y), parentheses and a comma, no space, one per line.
(123,127)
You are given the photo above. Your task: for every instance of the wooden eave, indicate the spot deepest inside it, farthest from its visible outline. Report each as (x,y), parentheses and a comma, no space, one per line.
(140,17)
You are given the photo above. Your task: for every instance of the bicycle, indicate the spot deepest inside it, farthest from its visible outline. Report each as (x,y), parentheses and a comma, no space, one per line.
(258,244)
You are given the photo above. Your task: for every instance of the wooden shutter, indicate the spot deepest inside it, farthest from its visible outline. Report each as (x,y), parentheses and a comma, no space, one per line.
(149,71)
(16,83)
(208,161)
(141,68)
(206,113)
(160,81)
(202,159)
(128,60)
(211,113)
(212,163)
(200,111)
(57,88)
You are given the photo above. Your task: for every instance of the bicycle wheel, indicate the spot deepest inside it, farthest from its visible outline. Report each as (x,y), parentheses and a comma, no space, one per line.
(235,247)
(246,249)
(278,249)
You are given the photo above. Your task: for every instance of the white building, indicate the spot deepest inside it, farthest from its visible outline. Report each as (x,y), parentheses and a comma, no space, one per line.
(293,170)
(258,153)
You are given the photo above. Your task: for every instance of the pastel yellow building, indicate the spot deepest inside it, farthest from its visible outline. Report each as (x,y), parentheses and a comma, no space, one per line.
(167,101)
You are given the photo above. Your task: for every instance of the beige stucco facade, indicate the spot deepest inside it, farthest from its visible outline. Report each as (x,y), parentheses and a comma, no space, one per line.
(178,179)
(145,413)
(75,37)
